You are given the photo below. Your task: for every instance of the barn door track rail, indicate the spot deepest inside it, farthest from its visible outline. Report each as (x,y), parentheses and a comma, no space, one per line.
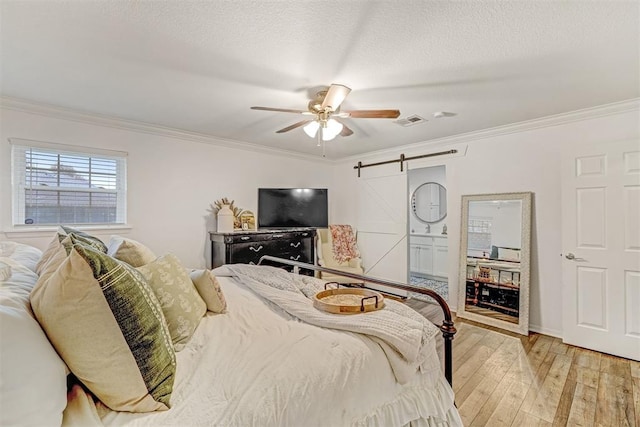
(401,160)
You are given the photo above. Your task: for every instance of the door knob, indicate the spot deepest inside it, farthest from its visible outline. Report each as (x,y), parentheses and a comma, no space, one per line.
(572,257)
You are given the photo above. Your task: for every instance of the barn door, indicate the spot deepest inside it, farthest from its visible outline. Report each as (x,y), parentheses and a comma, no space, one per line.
(382,223)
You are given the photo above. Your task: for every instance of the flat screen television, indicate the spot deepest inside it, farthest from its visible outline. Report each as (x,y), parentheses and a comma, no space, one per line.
(293,207)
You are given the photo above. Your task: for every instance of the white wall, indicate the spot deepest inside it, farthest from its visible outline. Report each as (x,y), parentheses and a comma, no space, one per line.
(514,161)
(171,181)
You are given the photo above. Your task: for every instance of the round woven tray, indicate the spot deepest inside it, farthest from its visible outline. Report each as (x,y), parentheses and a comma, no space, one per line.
(348,301)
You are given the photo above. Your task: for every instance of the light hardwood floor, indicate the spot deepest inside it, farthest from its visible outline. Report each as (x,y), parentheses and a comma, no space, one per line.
(505,379)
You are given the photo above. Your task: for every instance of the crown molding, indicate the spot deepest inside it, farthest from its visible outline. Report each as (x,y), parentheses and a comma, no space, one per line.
(542,122)
(57,112)
(48,110)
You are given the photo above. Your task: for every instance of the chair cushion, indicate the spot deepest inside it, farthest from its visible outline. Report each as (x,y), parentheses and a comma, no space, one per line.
(329,277)
(329,260)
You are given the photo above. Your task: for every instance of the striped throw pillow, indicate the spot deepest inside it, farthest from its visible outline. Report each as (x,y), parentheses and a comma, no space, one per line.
(107,325)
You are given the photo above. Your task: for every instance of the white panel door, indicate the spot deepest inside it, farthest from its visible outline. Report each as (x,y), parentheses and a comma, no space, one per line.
(381,206)
(601,248)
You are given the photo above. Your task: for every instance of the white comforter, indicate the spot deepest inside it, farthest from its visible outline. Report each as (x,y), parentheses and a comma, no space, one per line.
(399,330)
(258,366)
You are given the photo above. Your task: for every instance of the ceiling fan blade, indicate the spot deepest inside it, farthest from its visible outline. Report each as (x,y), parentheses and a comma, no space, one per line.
(335,96)
(345,130)
(373,114)
(281,110)
(293,126)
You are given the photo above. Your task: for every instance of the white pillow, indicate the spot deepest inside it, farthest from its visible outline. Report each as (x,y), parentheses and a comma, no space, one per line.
(23,254)
(5,272)
(33,390)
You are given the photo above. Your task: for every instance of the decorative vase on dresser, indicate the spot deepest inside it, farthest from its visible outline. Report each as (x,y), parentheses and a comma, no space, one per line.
(225,220)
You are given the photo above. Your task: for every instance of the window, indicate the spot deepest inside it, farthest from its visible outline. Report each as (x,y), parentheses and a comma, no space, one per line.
(55,184)
(479,234)
(479,225)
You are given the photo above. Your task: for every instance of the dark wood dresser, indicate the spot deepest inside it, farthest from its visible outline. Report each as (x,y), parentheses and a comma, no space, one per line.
(246,247)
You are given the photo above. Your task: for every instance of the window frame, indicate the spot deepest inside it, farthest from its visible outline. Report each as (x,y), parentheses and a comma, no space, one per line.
(20,182)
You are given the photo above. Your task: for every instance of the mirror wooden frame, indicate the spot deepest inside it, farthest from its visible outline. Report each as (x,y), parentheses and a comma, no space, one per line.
(522,327)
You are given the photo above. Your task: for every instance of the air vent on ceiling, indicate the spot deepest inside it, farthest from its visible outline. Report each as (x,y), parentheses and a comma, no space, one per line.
(411,120)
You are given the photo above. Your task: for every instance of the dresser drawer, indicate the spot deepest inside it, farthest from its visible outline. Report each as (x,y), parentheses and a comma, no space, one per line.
(251,252)
(249,247)
(261,237)
(247,253)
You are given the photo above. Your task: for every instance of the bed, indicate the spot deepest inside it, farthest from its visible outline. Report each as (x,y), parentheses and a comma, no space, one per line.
(258,365)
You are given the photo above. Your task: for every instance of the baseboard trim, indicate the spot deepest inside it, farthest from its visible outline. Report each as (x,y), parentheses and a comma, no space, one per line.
(545,331)
(533,328)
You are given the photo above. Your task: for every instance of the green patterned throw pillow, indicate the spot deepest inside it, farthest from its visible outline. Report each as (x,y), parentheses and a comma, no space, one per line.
(85,238)
(107,325)
(182,305)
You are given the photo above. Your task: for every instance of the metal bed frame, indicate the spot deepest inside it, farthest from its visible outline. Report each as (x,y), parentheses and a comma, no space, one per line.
(447,328)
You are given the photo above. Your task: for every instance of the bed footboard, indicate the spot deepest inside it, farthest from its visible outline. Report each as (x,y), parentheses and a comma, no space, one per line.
(447,328)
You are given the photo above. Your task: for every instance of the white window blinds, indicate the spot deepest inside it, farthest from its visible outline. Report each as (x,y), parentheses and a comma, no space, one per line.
(54,184)
(479,234)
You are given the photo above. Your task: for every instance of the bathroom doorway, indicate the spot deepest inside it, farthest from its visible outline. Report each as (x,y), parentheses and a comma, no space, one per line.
(428,240)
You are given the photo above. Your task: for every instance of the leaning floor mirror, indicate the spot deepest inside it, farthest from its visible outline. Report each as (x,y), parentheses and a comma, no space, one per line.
(495,252)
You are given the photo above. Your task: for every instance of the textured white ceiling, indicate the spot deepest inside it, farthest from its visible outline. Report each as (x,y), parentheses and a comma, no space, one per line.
(199,65)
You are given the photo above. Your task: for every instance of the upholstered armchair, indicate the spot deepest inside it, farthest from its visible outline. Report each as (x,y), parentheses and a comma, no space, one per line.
(326,259)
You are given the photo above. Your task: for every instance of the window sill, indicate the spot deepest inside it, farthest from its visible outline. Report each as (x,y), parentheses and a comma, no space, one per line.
(46,230)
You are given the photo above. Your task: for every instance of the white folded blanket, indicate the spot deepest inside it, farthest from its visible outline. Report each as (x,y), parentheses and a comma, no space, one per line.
(400,331)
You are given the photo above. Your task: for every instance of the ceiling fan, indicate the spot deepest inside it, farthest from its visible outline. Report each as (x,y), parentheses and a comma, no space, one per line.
(325,109)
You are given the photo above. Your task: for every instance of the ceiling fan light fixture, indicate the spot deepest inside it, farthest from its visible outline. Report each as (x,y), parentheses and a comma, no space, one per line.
(323,107)
(332,129)
(311,128)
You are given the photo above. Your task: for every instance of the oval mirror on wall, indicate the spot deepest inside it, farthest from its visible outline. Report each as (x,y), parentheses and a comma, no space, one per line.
(429,202)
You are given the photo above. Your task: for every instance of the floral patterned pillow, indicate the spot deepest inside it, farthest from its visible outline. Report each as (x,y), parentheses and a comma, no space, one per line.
(344,243)
(181,304)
